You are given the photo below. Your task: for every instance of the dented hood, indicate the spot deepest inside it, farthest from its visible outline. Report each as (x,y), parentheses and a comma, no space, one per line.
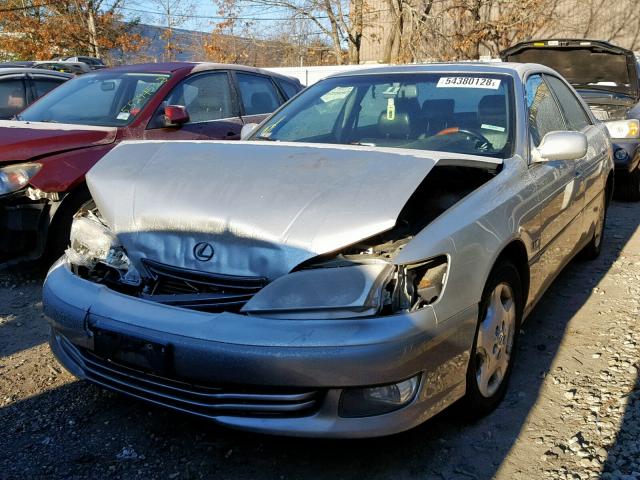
(20,141)
(263,207)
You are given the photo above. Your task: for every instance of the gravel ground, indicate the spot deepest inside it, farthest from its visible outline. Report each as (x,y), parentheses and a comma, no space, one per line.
(572,411)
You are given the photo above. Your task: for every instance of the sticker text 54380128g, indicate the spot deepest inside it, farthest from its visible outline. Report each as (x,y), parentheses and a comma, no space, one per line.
(468,82)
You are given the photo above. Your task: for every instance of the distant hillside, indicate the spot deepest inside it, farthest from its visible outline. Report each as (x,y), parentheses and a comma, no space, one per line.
(188,47)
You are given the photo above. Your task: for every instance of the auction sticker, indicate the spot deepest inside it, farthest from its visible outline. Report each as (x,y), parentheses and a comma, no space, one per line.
(468,82)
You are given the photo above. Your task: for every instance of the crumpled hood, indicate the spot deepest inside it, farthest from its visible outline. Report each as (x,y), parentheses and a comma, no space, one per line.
(263,207)
(21,141)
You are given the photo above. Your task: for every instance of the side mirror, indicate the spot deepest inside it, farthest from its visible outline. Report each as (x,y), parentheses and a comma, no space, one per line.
(561,146)
(247,130)
(175,115)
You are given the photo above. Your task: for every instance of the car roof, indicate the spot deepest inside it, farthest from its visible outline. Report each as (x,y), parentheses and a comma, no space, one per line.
(40,71)
(509,68)
(171,67)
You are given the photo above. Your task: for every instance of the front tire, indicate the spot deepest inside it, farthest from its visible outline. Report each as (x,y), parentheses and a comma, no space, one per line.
(495,341)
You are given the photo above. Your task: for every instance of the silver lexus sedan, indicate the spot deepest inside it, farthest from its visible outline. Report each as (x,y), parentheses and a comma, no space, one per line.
(362,261)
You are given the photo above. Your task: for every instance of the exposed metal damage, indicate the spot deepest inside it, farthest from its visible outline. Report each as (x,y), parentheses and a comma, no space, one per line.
(370,282)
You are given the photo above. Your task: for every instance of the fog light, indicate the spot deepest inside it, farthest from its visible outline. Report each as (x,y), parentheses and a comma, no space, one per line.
(365,402)
(620,154)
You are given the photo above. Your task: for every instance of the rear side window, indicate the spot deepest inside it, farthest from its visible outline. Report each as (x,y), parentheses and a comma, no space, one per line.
(576,118)
(44,85)
(289,88)
(12,97)
(544,114)
(258,94)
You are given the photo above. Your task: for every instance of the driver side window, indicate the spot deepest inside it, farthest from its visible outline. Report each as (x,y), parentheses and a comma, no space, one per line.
(543,112)
(207,97)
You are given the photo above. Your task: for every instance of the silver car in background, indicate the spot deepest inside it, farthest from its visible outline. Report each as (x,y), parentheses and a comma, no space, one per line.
(361,263)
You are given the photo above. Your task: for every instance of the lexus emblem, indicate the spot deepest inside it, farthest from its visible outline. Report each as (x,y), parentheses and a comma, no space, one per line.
(203,251)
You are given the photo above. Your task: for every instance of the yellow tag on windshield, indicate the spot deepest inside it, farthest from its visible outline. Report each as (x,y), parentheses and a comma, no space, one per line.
(391,109)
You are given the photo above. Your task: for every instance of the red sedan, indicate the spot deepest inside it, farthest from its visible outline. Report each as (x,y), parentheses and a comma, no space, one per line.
(45,155)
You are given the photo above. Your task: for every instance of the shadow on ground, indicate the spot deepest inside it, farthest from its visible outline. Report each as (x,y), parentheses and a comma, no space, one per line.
(80,430)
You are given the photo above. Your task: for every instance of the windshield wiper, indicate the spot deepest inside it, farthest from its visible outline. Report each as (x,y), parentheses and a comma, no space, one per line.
(268,139)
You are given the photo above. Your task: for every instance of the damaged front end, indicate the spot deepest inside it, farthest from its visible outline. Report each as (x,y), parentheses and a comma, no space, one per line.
(360,280)
(345,286)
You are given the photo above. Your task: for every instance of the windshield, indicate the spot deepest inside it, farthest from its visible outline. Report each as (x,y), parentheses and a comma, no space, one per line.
(461,113)
(109,100)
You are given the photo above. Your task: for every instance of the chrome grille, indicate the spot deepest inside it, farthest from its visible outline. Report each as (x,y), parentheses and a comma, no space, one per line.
(201,400)
(199,290)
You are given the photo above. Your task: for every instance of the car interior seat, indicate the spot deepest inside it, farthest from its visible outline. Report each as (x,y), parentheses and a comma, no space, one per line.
(396,130)
(436,115)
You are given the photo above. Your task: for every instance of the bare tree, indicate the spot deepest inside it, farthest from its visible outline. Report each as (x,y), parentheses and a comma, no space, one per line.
(174,14)
(340,21)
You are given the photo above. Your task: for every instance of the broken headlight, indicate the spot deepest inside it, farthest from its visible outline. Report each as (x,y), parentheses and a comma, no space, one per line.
(419,284)
(350,291)
(95,248)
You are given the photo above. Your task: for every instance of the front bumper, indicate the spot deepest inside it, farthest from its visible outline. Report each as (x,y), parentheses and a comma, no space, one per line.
(245,353)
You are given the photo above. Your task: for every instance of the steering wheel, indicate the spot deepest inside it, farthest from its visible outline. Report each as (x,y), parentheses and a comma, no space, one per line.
(482,143)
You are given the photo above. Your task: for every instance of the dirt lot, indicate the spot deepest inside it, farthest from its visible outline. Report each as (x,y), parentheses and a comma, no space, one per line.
(572,411)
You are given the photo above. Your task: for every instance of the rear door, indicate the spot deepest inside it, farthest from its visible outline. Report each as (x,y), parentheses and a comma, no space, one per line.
(259,96)
(212,106)
(13,95)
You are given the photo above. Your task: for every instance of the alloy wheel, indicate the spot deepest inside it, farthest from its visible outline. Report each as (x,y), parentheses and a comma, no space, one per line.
(495,339)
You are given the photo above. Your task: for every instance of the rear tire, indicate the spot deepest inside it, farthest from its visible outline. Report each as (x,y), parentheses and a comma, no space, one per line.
(495,341)
(628,186)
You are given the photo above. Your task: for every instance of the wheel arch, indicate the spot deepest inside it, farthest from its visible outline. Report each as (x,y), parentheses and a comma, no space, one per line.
(516,253)
(59,220)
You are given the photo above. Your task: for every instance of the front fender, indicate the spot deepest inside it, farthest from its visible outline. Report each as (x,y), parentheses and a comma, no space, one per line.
(64,171)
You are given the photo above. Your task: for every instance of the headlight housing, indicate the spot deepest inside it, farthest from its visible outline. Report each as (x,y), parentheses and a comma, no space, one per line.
(622,129)
(353,290)
(16,177)
(94,247)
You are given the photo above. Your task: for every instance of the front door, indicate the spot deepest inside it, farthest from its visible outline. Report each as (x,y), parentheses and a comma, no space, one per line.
(589,168)
(558,190)
(212,107)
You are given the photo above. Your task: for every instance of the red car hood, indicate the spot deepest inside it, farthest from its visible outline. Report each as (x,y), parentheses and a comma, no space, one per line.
(21,141)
